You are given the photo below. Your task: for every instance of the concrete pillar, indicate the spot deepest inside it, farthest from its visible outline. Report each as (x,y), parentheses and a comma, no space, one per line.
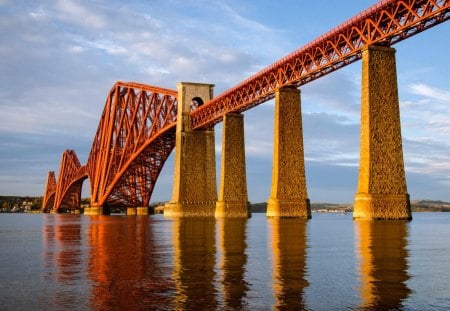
(382,190)
(94,210)
(233,198)
(194,190)
(143,210)
(288,197)
(131,211)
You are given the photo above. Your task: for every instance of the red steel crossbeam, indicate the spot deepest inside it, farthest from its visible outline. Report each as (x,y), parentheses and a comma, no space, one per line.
(50,191)
(134,138)
(385,23)
(70,181)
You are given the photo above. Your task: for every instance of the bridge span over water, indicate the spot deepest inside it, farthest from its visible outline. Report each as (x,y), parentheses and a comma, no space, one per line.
(142,124)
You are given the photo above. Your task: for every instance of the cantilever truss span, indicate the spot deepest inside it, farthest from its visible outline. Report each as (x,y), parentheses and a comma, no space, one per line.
(134,138)
(50,190)
(66,193)
(136,132)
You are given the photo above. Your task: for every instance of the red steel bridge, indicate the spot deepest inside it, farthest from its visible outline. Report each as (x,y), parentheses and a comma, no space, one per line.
(136,132)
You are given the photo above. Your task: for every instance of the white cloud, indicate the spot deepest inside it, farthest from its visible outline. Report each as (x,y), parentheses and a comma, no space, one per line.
(426,131)
(80,15)
(427,116)
(39,14)
(109,47)
(430,92)
(76,49)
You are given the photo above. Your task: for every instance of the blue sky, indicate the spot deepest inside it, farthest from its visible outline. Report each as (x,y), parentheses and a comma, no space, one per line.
(58,60)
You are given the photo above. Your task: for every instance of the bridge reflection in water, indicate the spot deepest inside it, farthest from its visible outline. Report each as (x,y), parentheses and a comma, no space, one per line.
(104,263)
(289,246)
(63,259)
(383,272)
(127,266)
(233,261)
(194,260)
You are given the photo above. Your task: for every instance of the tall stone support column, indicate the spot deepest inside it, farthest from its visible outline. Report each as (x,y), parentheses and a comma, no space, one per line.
(382,190)
(233,198)
(194,190)
(288,197)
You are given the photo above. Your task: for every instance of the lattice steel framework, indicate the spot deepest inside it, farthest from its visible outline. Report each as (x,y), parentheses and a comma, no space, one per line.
(50,191)
(385,23)
(134,138)
(70,180)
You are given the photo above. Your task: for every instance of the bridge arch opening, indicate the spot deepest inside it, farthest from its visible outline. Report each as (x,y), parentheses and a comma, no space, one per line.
(196,102)
(86,193)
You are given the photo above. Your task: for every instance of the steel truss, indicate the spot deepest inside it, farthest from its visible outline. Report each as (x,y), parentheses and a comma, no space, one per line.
(134,138)
(50,190)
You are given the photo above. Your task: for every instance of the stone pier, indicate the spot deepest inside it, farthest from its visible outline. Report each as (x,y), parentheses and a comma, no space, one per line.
(95,210)
(382,192)
(131,211)
(143,210)
(288,197)
(233,198)
(194,190)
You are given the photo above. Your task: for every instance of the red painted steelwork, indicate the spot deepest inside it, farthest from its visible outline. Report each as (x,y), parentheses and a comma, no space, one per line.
(385,23)
(134,138)
(70,181)
(49,195)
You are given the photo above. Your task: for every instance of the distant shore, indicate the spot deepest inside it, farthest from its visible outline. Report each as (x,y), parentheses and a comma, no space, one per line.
(416,206)
(19,204)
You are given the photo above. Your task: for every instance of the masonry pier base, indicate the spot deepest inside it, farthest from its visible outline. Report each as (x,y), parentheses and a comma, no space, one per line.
(143,210)
(96,210)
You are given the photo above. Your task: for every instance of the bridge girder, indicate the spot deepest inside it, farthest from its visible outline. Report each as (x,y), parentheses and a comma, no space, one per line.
(385,23)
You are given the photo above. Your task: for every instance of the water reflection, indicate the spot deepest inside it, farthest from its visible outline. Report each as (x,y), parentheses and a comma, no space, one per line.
(125,267)
(194,261)
(233,245)
(382,248)
(289,245)
(63,257)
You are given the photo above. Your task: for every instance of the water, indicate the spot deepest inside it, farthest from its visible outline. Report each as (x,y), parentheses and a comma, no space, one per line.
(56,262)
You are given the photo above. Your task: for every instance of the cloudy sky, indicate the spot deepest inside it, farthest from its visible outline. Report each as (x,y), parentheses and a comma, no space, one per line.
(59,58)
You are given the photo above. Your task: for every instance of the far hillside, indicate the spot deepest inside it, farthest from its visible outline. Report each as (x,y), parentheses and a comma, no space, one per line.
(19,204)
(416,206)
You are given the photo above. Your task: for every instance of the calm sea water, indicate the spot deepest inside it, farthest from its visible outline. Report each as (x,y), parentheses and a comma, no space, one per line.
(56,262)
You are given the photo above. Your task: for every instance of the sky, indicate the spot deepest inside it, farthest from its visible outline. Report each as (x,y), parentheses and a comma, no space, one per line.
(60,58)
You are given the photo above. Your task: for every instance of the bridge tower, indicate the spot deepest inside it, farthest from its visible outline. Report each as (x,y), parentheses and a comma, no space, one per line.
(194,190)
(382,190)
(288,197)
